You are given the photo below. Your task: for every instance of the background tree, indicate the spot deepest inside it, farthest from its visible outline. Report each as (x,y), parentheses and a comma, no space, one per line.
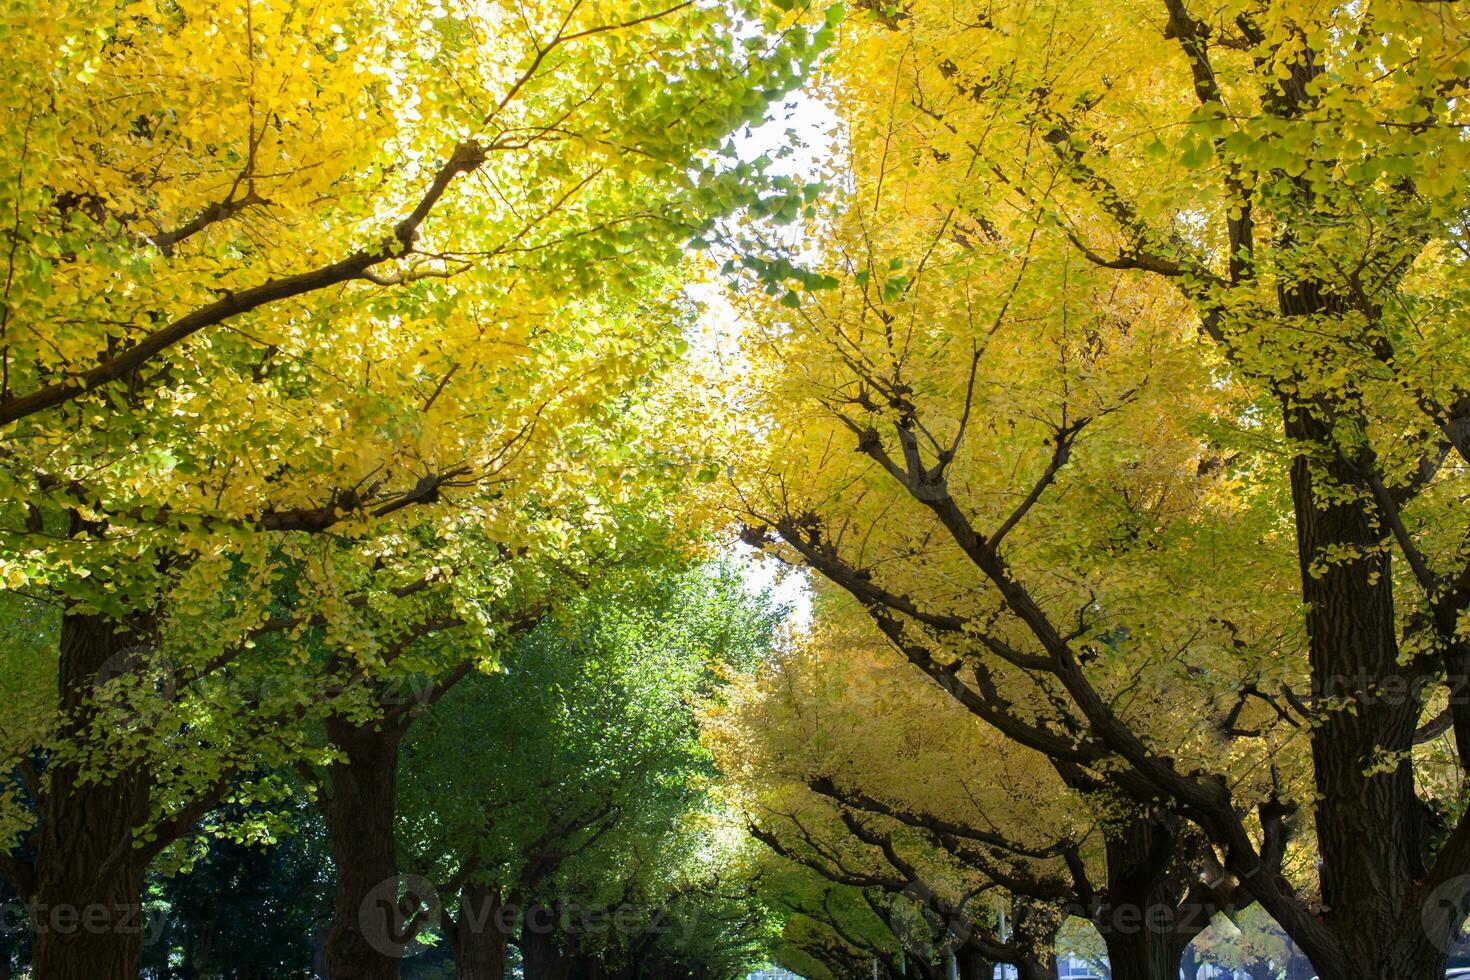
(573,777)
(280,885)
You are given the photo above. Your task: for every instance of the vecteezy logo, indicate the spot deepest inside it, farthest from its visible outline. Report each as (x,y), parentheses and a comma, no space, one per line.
(393,913)
(919,925)
(134,687)
(1443,912)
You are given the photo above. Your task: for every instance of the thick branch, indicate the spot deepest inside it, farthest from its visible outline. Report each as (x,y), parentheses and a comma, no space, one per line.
(466,157)
(856,799)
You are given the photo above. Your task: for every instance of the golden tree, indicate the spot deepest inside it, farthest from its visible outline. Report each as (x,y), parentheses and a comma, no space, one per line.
(1136,419)
(309,312)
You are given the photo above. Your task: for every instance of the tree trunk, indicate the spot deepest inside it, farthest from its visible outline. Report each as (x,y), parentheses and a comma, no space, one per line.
(541,957)
(369,929)
(1298,967)
(1189,964)
(1370,834)
(1036,968)
(917,968)
(86,911)
(1141,956)
(586,967)
(973,965)
(479,935)
(198,945)
(1140,922)
(1034,935)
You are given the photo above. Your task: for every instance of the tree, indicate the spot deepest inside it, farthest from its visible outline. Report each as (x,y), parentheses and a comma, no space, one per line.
(832,930)
(1250,943)
(870,738)
(877,783)
(1032,423)
(906,580)
(287,290)
(573,778)
(278,884)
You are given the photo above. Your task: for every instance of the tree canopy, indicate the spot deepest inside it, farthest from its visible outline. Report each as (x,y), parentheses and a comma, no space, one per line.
(478,495)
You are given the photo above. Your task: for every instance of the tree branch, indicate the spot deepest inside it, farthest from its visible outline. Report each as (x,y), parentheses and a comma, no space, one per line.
(466,157)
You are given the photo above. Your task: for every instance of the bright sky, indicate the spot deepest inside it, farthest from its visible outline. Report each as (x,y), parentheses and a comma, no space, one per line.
(814,126)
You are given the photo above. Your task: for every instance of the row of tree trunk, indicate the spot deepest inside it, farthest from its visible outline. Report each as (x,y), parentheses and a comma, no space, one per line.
(84,885)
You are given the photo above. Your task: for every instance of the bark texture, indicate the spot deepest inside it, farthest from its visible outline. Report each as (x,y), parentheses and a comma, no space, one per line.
(87,916)
(369,928)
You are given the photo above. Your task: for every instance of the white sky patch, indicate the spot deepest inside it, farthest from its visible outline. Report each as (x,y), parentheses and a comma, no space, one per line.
(799,138)
(814,125)
(787,586)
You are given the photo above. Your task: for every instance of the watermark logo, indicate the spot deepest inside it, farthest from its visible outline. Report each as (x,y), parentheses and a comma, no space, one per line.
(93,919)
(394,912)
(1443,912)
(925,925)
(136,672)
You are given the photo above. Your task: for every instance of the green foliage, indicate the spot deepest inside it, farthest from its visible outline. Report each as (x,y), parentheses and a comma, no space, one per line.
(575,772)
(245,909)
